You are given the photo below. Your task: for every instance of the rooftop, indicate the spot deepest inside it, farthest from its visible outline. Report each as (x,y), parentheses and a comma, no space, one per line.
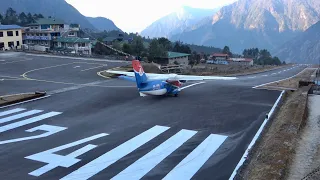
(43,21)
(8,27)
(72,40)
(176,54)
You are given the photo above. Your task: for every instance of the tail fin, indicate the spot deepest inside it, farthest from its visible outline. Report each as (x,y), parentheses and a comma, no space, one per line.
(140,75)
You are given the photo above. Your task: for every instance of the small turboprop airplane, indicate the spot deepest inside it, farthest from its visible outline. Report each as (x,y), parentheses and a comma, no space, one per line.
(160,84)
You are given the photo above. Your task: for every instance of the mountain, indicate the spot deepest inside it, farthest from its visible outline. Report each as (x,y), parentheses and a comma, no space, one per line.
(304,48)
(176,22)
(55,8)
(254,23)
(102,23)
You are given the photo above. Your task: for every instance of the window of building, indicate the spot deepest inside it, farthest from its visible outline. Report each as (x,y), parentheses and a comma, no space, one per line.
(18,43)
(1,34)
(17,33)
(71,34)
(1,45)
(9,33)
(11,44)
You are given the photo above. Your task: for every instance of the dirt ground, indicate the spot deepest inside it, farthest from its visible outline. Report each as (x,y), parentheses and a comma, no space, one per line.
(306,75)
(273,153)
(307,156)
(5,100)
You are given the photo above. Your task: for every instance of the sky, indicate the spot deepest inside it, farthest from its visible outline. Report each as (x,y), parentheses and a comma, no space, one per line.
(136,15)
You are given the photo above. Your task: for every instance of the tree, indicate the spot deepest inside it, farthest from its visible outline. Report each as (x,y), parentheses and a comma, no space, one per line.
(30,18)
(116,45)
(126,48)
(166,43)
(23,19)
(156,50)
(226,50)
(1,18)
(181,48)
(284,63)
(137,46)
(10,17)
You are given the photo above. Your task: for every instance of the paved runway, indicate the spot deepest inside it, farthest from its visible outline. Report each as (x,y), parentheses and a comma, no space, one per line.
(96,128)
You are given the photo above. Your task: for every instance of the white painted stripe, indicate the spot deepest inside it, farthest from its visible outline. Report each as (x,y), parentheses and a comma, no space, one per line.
(11,111)
(282,79)
(25,101)
(191,85)
(50,166)
(94,68)
(28,121)
(142,166)
(18,116)
(243,158)
(50,131)
(55,160)
(189,166)
(105,160)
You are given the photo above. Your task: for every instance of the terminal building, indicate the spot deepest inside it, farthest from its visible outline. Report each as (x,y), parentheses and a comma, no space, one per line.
(10,37)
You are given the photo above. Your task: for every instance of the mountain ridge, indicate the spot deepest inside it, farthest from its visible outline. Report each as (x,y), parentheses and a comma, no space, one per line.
(176,22)
(304,48)
(102,23)
(254,23)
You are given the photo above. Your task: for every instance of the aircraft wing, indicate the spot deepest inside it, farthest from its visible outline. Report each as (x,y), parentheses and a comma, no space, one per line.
(200,78)
(131,74)
(153,76)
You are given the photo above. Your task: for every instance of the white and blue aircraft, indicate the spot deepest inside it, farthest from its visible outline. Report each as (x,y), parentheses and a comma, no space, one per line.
(161,84)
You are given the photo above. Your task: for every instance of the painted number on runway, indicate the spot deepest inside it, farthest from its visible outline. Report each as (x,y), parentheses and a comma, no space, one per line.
(186,169)
(20,117)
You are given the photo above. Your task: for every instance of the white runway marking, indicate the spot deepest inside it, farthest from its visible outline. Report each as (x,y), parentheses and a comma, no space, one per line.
(28,121)
(18,116)
(105,160)
(55,160)
(142,166)
(189,166)
(11,111)
(94,68)
(50,130)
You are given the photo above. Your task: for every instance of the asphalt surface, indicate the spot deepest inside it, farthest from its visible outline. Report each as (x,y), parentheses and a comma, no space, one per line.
(201,134)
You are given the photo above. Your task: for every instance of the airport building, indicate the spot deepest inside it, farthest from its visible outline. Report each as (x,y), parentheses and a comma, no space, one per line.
(10,37)
(50,34)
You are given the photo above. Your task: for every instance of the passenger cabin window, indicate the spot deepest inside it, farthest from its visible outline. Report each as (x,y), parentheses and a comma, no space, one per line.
(9,33)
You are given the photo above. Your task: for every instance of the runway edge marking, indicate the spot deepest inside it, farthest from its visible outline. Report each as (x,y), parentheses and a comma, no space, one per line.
(243,158)
(25,101)
(255,87)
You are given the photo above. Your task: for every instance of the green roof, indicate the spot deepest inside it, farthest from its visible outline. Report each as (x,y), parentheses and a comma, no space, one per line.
(72,40)
(176,54)
(43,21)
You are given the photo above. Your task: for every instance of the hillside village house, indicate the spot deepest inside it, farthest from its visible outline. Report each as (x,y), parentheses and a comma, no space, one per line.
(10,37)
(73,45)
(172,57)
(226,60)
